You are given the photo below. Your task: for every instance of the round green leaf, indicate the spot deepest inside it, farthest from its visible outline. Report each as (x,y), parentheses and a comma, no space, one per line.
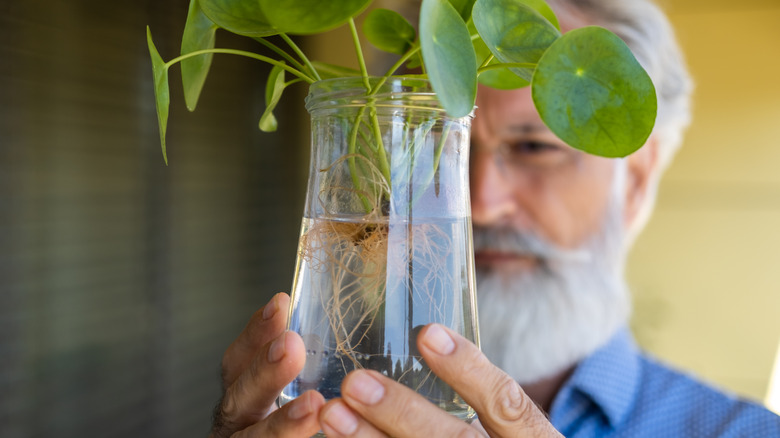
(243,17)
(514,32)
(310,16)
(593,94)
(503,79)
(448,56)
(387,30)
(464,8)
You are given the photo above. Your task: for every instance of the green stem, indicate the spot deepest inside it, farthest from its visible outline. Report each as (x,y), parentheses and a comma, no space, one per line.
(288,83)
(487,61)
(271,61)
(301,55)
(436,159)
(384,166)
(483,69)
(281,53)
(351,150)
(359,52)
(411,52)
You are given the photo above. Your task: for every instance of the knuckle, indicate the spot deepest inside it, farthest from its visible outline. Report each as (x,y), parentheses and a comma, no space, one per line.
(229,406)
(223,424)
(509,403)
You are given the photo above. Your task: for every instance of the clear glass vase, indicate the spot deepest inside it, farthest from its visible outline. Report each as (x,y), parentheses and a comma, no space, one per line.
(385,245)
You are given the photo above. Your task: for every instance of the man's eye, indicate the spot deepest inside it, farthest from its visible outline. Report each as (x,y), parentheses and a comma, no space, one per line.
(531,147)
(536,154)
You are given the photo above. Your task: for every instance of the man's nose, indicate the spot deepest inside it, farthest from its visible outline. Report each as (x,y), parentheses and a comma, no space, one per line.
(492,202)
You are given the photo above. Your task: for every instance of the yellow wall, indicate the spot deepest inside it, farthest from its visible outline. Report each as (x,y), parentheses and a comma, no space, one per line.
(706,272)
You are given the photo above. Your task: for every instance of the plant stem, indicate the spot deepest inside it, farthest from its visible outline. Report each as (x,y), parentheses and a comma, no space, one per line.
(280,52)
(351,150)
(436,159)
(301,55)
(411,52)
(487,61)
(359,52)
(271,61)
(483,69)
(384,166)
(288,83)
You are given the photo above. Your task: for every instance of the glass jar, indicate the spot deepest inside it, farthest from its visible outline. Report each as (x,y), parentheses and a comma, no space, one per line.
(385,245)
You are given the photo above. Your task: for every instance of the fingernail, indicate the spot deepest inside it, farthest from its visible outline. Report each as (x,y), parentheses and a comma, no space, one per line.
(437,339)
(341,419)
(299,409)
(276,350)
(364,388)
(270,309)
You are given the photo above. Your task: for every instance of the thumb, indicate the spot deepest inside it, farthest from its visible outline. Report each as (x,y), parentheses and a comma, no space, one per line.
(503,407)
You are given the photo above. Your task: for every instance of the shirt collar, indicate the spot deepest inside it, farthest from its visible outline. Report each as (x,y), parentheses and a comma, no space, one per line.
(609,378)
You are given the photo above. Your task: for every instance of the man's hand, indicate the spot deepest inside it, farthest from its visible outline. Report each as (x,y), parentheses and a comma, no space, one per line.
(373,405)
(256,367)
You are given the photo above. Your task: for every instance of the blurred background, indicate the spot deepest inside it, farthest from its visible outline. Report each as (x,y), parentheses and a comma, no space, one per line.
(122,281)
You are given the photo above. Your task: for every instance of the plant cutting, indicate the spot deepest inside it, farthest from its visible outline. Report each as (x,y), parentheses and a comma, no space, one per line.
(385,246)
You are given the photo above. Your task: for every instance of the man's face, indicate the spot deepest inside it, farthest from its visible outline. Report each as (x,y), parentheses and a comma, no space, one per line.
(524,177)
(548,240)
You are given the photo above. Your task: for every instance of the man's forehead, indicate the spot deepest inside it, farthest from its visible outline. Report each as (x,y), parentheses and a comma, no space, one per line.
(509,109)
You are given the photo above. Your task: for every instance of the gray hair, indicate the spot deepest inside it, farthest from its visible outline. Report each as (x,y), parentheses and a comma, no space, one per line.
(648,33)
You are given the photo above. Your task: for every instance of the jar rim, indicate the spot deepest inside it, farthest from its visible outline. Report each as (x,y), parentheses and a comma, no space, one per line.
(395,91)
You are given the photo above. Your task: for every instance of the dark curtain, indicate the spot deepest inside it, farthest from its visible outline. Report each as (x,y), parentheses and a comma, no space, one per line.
(122,280)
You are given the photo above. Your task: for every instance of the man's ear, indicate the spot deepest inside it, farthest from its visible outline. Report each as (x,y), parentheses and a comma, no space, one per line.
(640,171)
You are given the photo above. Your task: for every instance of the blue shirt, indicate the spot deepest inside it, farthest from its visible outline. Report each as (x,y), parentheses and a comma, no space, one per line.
(620,392)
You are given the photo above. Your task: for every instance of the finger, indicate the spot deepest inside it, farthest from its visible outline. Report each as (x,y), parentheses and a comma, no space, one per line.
(298,418)
(265,325)
(397,410)
(338,420)
(501,404)
(251,397)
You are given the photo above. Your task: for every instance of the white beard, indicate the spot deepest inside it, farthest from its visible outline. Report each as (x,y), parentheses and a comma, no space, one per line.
(536,324)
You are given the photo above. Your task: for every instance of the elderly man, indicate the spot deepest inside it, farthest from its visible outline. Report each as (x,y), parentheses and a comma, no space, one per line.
(551,229)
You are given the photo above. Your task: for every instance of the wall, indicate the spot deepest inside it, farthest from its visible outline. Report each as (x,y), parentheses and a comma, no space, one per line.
(122,281)
(705,272)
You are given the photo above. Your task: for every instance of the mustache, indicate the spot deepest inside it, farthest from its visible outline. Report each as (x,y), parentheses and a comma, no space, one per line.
(508,240)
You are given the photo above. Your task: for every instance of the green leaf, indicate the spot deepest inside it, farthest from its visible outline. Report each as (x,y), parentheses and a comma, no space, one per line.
(543,9)
(310,16)
(161,91)
(199,34)
(330,71)
(243,17)
(593,94)
(415,62)
(448,56)
(503,78)
(514,32)
(464,8)
(273,92)
(387,30)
